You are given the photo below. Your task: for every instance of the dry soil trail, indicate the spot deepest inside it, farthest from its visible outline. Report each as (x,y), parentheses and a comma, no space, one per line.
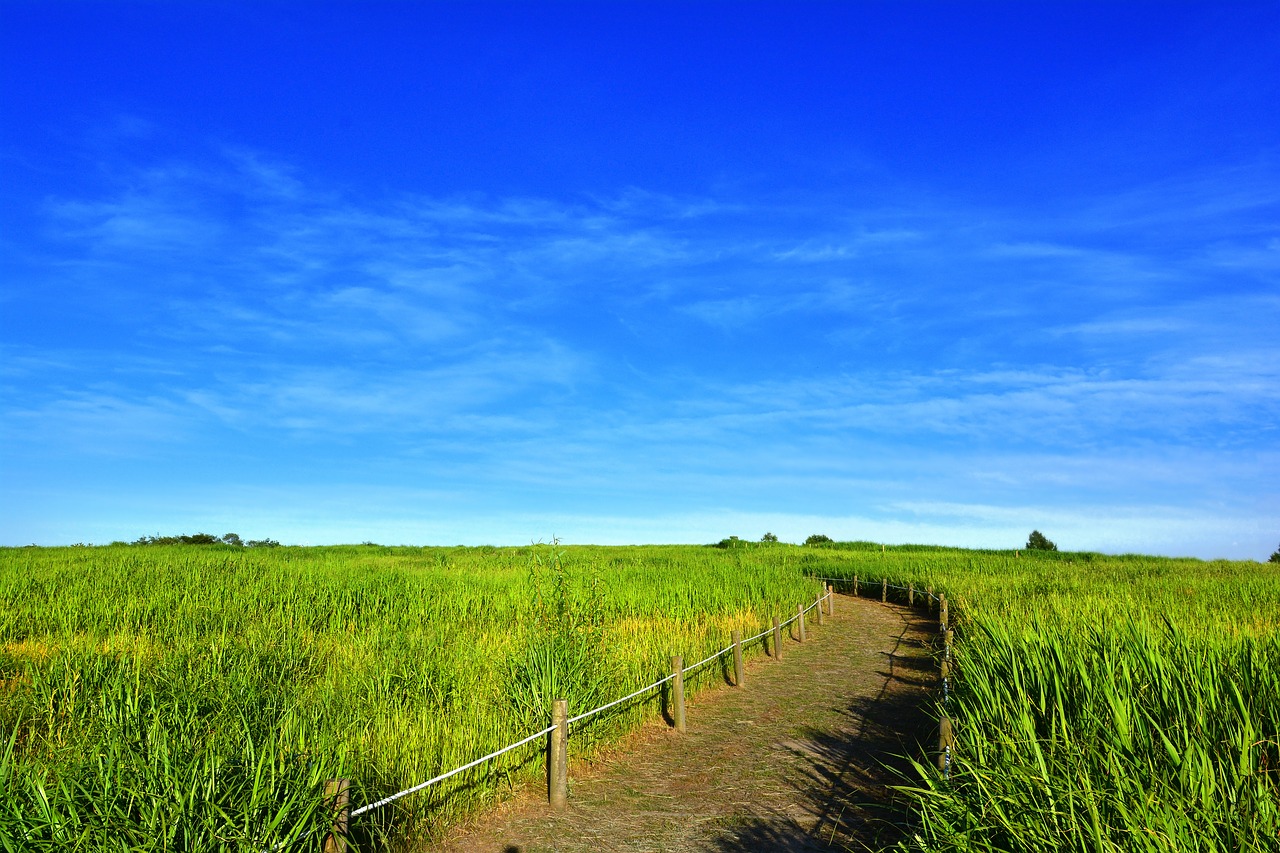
(791,762)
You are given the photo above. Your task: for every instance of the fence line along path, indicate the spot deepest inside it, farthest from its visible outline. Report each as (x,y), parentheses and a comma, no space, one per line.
(790,762)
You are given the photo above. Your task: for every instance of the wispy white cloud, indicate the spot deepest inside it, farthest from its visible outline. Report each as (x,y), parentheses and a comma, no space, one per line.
(615,356)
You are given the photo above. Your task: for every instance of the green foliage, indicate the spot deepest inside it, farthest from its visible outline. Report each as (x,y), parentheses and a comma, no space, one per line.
(1275,556)
(565,655)
(769,537)
(192,539)
(732,542)
(1038,542)
(818,540)
(194,699)
(1102,703)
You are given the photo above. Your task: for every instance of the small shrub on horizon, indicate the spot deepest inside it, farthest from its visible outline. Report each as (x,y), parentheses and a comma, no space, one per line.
(1038,542)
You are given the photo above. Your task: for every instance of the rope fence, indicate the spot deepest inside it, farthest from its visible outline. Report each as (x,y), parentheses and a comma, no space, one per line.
(557,733)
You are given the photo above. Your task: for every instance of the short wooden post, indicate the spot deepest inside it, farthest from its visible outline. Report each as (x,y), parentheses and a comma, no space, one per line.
(800,622)
(884,590)
(942,611)
(831,600)
(855,585)
(677,692)
(911,594)
(946,669)
(777,639)
(338,793)
(737,658)
(881,547)
(1016,554)
(822,612)
(948,636)
(558,755)
(946,740)
(928,597)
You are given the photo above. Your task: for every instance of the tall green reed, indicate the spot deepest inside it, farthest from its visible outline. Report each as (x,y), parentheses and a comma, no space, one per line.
(187,698)
(1101,703)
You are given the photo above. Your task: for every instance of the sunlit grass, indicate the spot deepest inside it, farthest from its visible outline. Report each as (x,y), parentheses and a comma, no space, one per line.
(1102,703)
(196,698)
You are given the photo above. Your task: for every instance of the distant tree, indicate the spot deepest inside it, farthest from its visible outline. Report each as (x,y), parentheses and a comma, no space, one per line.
(232,539)
(262,543)
(731,542)
(818,539)
(768,537)
(192,539)
(1037,542)
(1275,558)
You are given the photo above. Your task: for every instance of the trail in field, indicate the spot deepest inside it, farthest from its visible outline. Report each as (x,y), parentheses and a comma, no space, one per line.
(790,762)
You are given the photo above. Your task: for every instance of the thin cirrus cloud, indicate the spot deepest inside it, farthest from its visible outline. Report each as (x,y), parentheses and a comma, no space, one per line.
(633,352)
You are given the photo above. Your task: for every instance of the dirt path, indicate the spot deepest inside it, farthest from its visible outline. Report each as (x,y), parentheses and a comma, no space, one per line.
(790,762)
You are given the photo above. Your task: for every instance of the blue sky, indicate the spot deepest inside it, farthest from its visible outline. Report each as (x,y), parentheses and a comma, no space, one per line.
(440,273)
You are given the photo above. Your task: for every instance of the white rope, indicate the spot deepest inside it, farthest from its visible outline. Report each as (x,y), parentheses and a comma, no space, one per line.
(687,669)
(407,791)
(623,699)
(692,667)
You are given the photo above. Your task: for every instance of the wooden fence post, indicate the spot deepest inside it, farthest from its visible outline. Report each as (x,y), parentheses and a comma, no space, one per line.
(777,639)
(942,611)
(558,755)
(911,594)
(928,597)
(822,611)
(338,793)
(737,658)
(831,600)
(947,637)
(677,692)
(855,585)
(800,622)
(884,590)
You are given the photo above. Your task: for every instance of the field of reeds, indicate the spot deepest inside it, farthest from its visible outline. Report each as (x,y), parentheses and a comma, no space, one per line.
(193,698)
(1101,703)
(197,697)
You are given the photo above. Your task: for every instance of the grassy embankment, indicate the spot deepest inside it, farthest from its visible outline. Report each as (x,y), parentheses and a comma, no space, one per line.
(196,698)
(1103,703)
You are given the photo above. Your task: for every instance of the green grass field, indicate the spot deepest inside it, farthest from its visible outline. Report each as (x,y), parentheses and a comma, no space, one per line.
(1102,703)
(196,697)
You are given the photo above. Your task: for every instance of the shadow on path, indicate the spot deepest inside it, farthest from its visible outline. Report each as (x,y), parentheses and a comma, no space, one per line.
(800,759)
(842,772)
